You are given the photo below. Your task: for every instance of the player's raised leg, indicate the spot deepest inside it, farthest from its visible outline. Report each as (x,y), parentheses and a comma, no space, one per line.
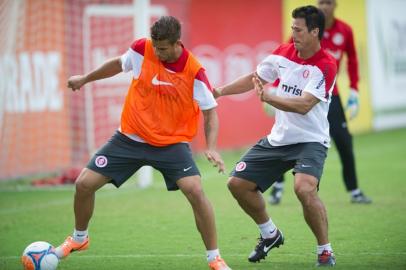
(204,217)
(86,185)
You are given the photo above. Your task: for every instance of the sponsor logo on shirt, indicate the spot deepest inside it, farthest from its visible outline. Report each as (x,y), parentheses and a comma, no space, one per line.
(320,83)
(292,90)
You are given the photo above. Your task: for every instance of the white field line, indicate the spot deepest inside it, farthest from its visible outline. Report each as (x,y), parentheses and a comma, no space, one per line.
(141,256)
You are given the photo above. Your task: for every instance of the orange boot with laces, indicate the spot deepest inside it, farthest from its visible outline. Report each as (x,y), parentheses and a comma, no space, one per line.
(70,245)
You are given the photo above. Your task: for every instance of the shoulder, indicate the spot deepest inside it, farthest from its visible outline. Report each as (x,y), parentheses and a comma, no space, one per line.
(202,78)
(139,45)
(327,65)
(342,26)
(325,60)
(284,50)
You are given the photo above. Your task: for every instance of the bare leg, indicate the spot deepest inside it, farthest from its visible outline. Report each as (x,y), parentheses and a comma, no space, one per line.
(249,198)
(202,209)
(313,208)
(86,185)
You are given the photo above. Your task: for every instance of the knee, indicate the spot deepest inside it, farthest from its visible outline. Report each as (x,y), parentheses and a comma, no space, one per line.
(195,193)
(83,186)
(235,186)
(232,185)
(304,191)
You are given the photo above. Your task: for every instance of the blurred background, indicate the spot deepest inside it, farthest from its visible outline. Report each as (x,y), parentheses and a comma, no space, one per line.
(45,128)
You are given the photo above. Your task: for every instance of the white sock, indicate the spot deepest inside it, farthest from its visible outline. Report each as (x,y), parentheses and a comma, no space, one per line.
(355,192)
(321,248)
(79,236)
(212,254)
(278,185)
(268,229)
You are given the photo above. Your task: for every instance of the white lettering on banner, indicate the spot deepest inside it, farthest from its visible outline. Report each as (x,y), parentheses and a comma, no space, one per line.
(31,83)
(236,60)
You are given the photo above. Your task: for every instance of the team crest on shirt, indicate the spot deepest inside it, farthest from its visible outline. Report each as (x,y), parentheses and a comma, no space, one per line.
(306,73)
(101,161)
(338,39)
(240,166)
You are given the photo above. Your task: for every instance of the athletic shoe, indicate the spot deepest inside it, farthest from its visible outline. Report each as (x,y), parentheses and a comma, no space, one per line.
(265,245)
(276,195)
(69,246)
(360,198)
(218,264)
(326,258)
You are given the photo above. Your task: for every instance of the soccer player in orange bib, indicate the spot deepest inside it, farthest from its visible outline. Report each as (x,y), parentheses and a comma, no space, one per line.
(160,117)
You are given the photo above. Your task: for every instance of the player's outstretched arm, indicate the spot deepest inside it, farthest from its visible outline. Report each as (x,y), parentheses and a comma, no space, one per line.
(107,69)
(240,85)
(211,126)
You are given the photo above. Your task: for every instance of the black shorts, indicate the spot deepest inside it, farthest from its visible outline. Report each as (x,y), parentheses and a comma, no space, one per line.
(263,164)
(121,157)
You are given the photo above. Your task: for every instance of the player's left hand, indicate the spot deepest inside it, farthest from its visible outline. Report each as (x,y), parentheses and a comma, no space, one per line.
(215,158)
(258,86)
(353,103)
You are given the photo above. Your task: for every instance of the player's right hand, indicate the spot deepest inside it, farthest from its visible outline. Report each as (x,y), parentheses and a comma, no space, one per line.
(76,82)
(217,92)
(215,158)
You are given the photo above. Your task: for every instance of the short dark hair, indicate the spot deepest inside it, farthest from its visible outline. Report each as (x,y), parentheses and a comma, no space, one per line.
(166,28)
(313,16)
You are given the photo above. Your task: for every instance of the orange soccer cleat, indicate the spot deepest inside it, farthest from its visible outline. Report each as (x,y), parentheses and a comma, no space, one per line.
(69,246)
(219,264)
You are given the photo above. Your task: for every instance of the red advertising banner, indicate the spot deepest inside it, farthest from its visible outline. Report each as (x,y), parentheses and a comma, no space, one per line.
(230,38)
(44,127)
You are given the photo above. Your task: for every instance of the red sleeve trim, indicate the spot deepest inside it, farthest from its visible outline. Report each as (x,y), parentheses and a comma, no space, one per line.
(329,70)
(139,46)
(201,76)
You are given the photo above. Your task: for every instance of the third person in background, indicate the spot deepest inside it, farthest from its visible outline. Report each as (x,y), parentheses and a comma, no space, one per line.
(338,40)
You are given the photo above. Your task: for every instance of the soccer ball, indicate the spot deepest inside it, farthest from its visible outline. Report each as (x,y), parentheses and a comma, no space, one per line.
(39,256)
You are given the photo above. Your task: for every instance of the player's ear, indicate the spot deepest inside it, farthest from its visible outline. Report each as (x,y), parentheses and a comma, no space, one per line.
(315,32)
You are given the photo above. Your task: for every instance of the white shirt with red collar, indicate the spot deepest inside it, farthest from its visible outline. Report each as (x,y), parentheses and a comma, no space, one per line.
(316,76)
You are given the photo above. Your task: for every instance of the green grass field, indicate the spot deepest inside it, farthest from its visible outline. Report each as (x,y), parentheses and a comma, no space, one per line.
(154,229)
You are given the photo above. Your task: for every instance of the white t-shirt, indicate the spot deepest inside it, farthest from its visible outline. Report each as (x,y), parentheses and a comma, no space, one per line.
(316,76)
